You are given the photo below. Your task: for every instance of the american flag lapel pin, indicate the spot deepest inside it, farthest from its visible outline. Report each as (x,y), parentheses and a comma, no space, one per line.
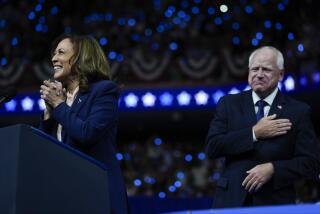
(279,107)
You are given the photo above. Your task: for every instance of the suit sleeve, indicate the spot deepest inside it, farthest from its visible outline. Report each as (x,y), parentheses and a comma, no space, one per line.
(102,116)
(46,125)
(305,163)
(221,141)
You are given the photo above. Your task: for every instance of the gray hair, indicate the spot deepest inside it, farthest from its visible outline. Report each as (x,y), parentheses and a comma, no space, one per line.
(280,60)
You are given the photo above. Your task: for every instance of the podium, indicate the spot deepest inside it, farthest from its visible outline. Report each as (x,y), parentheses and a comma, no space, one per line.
(40,175)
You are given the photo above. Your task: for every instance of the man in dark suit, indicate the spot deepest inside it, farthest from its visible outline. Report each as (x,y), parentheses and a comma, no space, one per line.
(266,138)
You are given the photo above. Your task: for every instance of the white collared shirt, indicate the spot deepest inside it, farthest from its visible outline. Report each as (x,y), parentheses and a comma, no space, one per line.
(269,99)
(69,102)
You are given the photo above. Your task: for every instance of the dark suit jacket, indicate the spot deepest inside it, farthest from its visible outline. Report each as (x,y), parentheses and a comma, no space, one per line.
(294,155)
(90,125)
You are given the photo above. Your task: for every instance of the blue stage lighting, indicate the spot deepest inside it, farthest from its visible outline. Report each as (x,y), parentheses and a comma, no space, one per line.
(180,175)
(31,15)
(120,57)
(131,100)
(103,41)
(188,158)
(38,27)
(177,184)
(303,80)
(184,98)
(131,22)
(235,40)
(27,104)
(41,104)
(54,10)
(11,105)
(278,26)
(160,28)
(234,91)
(255,42)
(148,99)
(267,24)
(166,99)
(281,6)
(195,10)
(173,46)
(112,55)
(108,17)
(157,141)
(217,95)
(121,21)
(316,77)
(162,194)
(211,11)
(290,36)
(149,180)
(289,83)
(201,98)
(119,156)
(300,47)
(201,156)
(218,21)
(4,61)
(249,9)
(172,188)
(259,35)
(38,7)
(137,182)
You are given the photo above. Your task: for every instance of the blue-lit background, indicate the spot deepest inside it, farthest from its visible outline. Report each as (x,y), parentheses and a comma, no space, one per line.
(160,42)
(166,98)
(173,60)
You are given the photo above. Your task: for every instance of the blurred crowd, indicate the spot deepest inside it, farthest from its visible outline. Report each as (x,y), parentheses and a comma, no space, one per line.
(174,168)
(156,167)
(181,30)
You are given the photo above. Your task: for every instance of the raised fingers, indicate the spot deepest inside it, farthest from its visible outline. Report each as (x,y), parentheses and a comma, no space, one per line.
(281,131)
(49,84)
(253,186)
(258,186)
(280,121)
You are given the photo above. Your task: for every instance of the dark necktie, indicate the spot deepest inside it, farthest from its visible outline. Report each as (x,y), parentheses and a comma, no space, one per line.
(261,104)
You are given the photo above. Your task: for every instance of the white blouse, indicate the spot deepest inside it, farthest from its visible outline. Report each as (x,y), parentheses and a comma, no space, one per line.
(69,101)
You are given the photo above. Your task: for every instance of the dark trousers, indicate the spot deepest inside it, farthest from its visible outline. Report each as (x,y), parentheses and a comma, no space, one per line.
(248,201)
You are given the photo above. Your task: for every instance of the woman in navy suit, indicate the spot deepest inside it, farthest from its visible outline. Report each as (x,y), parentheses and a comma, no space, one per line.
(82,106)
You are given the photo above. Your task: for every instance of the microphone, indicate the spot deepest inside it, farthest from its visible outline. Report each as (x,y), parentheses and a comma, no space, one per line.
(7,94)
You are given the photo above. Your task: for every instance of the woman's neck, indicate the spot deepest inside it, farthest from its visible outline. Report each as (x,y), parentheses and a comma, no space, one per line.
(72,86)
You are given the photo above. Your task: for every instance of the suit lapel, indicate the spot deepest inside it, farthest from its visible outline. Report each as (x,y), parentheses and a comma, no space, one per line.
(75,107)
(277,105)
(248,108)
(78,101)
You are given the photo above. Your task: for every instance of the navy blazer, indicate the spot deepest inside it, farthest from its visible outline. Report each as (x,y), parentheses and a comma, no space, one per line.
(294,155)
(90,125)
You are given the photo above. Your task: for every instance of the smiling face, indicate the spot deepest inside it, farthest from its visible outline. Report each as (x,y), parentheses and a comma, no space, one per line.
(61,60)
(264,73)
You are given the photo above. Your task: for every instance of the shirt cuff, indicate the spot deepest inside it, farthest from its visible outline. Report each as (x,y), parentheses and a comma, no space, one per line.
(254,136)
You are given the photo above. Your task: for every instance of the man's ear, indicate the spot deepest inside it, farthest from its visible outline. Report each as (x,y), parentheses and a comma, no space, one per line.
(281,74)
